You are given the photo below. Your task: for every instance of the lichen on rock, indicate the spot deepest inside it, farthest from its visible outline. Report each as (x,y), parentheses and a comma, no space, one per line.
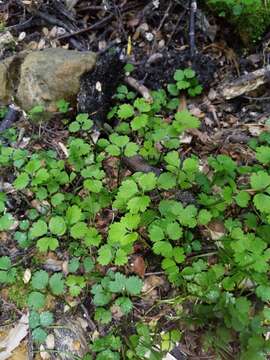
(43,77)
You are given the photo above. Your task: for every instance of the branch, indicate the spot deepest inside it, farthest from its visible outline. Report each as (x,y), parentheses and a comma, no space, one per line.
(245,83)
(141,89)
(192,20)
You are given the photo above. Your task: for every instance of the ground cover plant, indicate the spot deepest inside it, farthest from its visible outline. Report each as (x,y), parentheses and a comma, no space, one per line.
(250,17)
(202,224)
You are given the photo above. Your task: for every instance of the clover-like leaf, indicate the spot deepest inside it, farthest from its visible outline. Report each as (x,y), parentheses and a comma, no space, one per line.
(38,229)
(125,111)
(21,181)
(46,318)
(40,280)
(36,300)
(133,285)
(39,335)
(57,225)
(57,284)
(47,243)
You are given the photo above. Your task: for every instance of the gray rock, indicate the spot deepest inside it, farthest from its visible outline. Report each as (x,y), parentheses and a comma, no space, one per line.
(43,77)
(9,77)
(71,339)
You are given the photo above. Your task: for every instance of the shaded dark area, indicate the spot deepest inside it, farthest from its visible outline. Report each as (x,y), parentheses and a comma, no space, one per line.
(99,86)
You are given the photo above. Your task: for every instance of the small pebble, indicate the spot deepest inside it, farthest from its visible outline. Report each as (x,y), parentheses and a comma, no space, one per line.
(22,36)
(149,36)
(161,43)
(43,354)
(212,95)
(50,342)
(98,86)
(27,276)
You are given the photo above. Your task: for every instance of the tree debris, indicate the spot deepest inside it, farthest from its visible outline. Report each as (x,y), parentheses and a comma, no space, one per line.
(245,83)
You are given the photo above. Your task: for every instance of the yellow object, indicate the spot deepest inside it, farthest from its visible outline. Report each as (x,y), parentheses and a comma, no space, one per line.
(129,46)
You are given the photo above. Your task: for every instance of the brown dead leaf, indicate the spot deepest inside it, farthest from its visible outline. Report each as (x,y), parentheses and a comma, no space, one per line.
(216,229)
(202,136)
(138,265)
(21,353)
(111,168)
(12,340)
(103,220)
(3,237)
(149,291)
(116,311)
(152,282)
(76,345)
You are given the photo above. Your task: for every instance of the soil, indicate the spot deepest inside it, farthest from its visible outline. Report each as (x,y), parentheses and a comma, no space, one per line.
(226,125)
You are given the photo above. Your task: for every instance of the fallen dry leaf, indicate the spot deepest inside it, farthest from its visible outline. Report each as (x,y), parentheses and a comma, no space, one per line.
(14,338)
(50,342)
(116,311)
(138,265)
(149,291)
(27,276)
(216,229)
(44,354)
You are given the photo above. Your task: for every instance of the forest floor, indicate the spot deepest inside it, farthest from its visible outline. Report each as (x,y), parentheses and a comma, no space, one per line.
(60,256)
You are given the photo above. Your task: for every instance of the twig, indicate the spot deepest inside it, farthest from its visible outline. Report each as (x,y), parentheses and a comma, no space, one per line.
(90,321)
(252,98)
(30,346)
(98,24)
(95,26)
(139,88)
(245,83)
(87,8)
(52,20)
(138,164)
(25,25)
(176,27)
(192,19)
(154,273)
(119,19)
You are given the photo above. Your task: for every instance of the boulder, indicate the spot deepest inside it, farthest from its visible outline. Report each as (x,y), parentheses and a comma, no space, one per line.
(43,77)
(9,77)
(70,338)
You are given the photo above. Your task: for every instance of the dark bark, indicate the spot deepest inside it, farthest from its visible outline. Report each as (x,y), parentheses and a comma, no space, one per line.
(11,117)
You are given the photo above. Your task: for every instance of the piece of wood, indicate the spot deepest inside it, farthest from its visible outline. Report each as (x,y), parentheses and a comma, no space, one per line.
(245,83)
(140,88)
(138,164)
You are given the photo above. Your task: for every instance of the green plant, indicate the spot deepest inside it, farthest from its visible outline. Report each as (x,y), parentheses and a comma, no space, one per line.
(3,111)
(250,17)
(185,80)
(82,122)
(107,347)
(38,322)
(207,231)
(37,113)
(143,344)
(62,106)
(7,272)
(111,286)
